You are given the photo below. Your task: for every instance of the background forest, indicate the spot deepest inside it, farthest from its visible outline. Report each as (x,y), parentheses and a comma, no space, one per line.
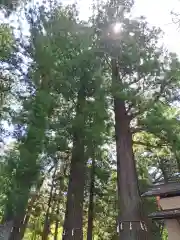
(56,96)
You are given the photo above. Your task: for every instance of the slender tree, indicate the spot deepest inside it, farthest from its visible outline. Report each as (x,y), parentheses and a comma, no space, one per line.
(91,201)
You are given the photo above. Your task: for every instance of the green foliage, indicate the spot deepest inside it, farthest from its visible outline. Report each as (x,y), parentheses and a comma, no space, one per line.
(65,58)
(6,41)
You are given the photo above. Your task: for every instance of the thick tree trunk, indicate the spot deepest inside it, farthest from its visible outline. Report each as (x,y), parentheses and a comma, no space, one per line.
(19,224)
(8,212)
(5,230)
(8,215)
(91,202)
(7,221)
(21,220)
(15,234)
(29,150)
(177,159)
(73,223)
(30,206)
(17,221)
(20,214)
(131,221)
(46,221)
(74,208)
(28,214)
(162,166)
(178,164)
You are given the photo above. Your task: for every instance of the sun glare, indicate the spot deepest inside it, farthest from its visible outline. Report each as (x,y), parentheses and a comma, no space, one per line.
(117,27)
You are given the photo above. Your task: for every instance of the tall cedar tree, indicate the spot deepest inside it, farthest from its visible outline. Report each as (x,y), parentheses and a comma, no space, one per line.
(140,78)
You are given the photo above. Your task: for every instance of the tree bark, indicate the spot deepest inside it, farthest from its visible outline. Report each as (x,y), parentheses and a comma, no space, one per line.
(131,221)
(73,223)
(177,159)
(20,213)
(91,202)
(162,166)
(5,230)
(30,206)
(45,232)
(17,224)
(20,223)
(57,222)
(24,225)
(61,189)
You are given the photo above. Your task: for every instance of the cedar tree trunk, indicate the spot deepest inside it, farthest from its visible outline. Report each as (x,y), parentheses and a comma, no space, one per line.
(73,223)
(131,221)
(91,202)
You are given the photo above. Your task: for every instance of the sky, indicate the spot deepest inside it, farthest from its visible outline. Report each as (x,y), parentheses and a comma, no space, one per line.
(157,12)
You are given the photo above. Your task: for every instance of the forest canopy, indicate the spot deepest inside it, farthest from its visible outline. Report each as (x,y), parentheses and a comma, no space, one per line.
(82,103)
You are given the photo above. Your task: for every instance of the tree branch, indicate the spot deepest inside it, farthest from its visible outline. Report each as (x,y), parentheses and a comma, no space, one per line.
(138,129)
(146,144)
